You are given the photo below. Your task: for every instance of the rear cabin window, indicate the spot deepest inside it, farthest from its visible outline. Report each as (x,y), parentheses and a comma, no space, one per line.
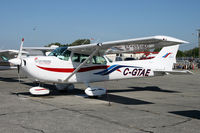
(98,60)
(95,60)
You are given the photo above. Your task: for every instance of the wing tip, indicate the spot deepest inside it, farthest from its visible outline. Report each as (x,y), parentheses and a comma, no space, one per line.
(168,38)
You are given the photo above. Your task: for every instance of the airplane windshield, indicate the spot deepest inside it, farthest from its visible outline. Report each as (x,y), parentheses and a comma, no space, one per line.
(64,54)
(61,52)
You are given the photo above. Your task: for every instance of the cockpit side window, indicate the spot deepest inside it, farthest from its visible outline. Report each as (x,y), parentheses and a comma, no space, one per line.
(76,57)
(79,58)
(99,60)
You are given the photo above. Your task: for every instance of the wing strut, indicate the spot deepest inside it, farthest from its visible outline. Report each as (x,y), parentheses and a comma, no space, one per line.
(83,63)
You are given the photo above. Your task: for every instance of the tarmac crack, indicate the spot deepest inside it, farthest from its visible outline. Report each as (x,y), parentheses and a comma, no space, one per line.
(37,101)
(143,110)
(173,125)
(107,120)
(146,131)
(93,116)
(27,112)
(30,128)
(178,123)
(2,114)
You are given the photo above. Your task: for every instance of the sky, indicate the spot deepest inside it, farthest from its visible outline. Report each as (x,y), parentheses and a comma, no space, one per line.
(42,22)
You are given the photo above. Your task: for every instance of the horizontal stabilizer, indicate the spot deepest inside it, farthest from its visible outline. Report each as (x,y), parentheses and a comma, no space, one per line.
(174,72)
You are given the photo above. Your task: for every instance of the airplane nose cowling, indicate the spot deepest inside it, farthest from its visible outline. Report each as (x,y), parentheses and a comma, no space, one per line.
(15,61)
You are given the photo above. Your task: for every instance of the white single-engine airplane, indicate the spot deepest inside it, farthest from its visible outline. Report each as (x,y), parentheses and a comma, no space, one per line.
(87,63)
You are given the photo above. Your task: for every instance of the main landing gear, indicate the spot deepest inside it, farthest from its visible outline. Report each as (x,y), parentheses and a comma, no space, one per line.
(94,91)
(90,91)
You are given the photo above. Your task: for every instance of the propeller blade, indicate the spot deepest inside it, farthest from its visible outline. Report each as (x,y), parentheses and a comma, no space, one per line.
(18,69)
(20,49)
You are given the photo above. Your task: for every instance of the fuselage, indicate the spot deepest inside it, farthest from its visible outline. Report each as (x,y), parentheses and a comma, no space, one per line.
(54,69)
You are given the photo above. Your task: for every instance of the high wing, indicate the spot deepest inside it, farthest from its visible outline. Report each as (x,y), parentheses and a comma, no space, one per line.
(119,46)
(129,45)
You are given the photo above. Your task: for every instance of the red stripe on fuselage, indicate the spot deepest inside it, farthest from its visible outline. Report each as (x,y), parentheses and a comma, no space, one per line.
(70,70)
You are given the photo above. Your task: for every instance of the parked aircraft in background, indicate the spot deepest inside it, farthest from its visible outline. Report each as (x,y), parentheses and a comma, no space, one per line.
(5,55)
(34,51)
(87,63)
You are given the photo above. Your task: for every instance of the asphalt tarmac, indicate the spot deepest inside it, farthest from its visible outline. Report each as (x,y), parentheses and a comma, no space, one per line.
(165,104)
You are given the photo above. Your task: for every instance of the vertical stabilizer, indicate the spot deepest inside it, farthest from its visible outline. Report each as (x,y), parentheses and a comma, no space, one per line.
(166,58)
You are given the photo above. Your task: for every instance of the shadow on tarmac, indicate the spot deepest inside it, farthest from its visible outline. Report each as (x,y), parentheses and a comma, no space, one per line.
(123,100)
(108,97)
(188,113)
(151,88)
(13,79)
(76,91)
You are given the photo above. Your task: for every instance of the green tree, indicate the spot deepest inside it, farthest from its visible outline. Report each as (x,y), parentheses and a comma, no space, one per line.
(56,43)
(75,43)
(80,42)
(180,54)
(192,52)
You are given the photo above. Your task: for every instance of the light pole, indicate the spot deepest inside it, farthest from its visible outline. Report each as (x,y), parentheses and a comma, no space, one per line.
(199,41)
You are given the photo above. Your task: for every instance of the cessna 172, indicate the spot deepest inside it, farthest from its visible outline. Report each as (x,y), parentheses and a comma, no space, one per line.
(88,63)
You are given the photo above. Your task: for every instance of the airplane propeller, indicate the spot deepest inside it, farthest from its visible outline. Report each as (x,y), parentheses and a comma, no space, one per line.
(18,61)
(15,61)
(18,66)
